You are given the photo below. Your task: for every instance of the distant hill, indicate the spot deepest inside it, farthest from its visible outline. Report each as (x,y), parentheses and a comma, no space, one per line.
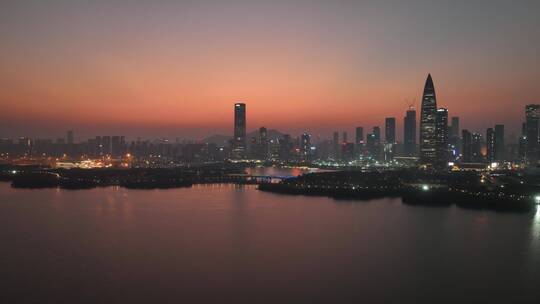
(223,140)
(218,139)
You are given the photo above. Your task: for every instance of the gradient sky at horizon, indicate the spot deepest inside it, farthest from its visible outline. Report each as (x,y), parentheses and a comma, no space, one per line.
(175,68)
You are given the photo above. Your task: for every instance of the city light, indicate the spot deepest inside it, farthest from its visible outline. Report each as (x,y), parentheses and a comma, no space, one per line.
(425,187)
(537,199)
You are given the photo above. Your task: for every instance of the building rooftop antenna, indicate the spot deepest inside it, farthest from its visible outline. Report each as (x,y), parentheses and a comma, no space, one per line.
(410,105)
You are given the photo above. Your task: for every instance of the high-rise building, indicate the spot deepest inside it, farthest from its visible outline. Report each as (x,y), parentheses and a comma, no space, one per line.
(239,141)
(409,133)
(285,146)
(335,145)
(522,149)
(305,146)
(466,146)
(263,143)
(105,146)
(344,139)
(454,138)
(441,131)
(359,139)
(500,148)
(428,135)
(390,130)
(490,145)
(347,151)
(377,133)
(454,127)
(116,145)
(532,114)
(390,138)
(371,145)
(376,148)
(70,138)
(477,148)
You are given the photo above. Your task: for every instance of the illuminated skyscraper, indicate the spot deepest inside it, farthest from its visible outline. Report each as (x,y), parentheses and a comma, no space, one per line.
(490,145)
(389,138)
(441,141)
(239,140)
(454,138)
(428,138)
(477,148)
(305,146)
(532,114)
(359,136)
(376,148)
(409,133)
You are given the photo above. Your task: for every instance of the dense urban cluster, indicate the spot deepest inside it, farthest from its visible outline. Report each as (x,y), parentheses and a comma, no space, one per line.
(447,165)
(441,145)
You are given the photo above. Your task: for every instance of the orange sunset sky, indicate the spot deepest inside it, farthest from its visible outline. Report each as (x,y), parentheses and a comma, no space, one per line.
(175,68)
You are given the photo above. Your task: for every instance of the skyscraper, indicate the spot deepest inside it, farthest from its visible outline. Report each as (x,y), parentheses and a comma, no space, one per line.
(239,140)
(477,147)
(377,133)
(390,130)
(454,127)
(371,145)
(335,145)
(376,149)
(454,138)
(116,146)
(305,146)
(532,114)
(441,131)
(500,148)
(344,139)
(359,139)
(285,146)
(427,124)
(490,145)
(263,143)
(409,133)
(466,146)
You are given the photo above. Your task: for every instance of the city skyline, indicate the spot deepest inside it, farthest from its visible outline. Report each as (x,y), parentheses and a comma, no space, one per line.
(355,64)
(270,151)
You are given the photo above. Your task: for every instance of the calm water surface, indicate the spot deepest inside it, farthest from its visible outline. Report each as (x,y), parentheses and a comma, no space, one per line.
(234,244)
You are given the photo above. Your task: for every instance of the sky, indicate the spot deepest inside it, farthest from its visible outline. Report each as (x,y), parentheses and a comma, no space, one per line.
(175,68)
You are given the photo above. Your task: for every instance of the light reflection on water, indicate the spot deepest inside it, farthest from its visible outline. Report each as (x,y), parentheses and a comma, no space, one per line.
(211,242)
(535,235)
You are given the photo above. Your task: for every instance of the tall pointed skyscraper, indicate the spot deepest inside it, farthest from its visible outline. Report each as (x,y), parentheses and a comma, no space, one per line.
(428,136)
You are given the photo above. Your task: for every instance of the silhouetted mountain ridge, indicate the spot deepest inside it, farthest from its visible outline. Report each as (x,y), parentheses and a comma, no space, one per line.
(223,140)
